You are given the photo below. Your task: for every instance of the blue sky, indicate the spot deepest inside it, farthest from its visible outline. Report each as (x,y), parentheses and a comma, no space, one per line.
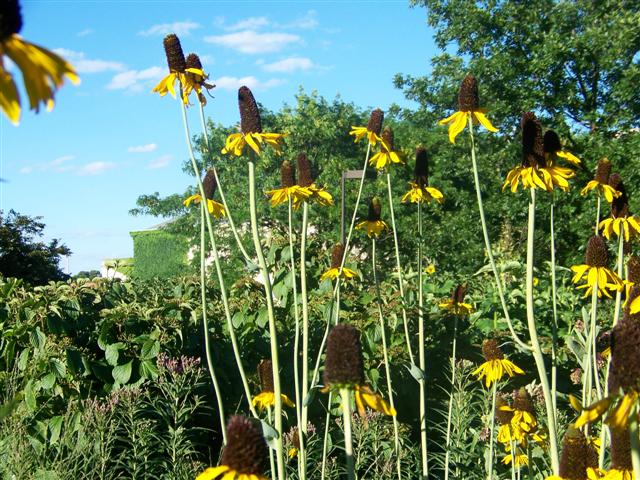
(108,140)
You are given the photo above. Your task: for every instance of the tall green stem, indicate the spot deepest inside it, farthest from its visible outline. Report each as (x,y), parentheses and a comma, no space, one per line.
(385,352)
(421,355)
(302,430)
(450,412)
(273,335)
(491,429)
(535,344)
(554,301)
(205,324)
(216,261)
(633,440)
(296,342)
(232,225)
(616,312)
(487,242)
(399,270)
(598,215)
(348,442)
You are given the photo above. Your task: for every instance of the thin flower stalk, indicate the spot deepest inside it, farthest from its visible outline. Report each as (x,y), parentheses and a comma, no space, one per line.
(421,355)
(296,343)
(232,224)
(635,444)
(450,412)
(487,242)
(305,340)
(535,344)
(272,460)
(348,442)
(216,261)
(597,214)
(273,335)
(385,352)
(205,324)
(492,423)
(554,302)
(399,270)
(616,312)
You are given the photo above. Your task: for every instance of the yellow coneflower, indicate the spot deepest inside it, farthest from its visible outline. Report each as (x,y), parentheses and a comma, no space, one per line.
(288,189)
(420,190)
(335,271)
(455,304)
(266,398)
(522,459)
(245,456)
(495,365)
(535,172)
(373,225)
(468,106)
(197,82)
(621,221)
(344,368)
(595,270)
(177,71)
(431,269)
(579,461)
(600,182)
(372,130)
(250,128)
(504,414)
(624,373)
(209,186)
(553,150)
(387,154)
(43,72)
(319,194)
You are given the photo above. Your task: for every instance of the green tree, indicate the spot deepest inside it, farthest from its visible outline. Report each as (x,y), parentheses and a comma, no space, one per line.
(23,256)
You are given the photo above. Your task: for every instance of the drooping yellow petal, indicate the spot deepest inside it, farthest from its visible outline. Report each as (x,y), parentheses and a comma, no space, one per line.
(212,472)
(9,97)
(193,198)
(592,412)
(484,121)
(458,125)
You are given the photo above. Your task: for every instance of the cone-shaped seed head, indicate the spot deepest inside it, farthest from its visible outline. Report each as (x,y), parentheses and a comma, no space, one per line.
(344,364)
(575,456)
(287,177)
(175,56)
(250,121)
(422,167)
(603,170)
(387,136)
(621,449)
(619,209)
(551,142)
(619,205)
(375,121)
(336,255)
(193,61)
(458,293)
(625,355)
(532,144)
(468,99)
(503,416)
(10,18)
(305,175)
(491,350)
(633,266)
(375,209)
(596,254)
(522,401)
(265,373)
(615,181)
(209,184)
(246,450)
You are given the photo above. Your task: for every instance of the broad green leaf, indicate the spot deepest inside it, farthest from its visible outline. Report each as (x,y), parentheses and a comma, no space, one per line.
(122,373)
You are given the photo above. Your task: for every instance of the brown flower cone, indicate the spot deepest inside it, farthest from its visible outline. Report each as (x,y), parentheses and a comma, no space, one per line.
(336,255)
(250,121)
(375,209)
(422,167)
(344,364)
(246,450)
(596,254)
(287,176)
(209,184)
(468,99)
(305,174)
(375,121)
(603,170)
(10,18)
(491,350)
(532,142)
(175,56)
(265,373)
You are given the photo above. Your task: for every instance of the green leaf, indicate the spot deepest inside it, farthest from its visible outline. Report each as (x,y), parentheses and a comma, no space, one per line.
(415,371)
(112,352)
(23,359)
(48,381)
(148,370)
(74,361)
(55,426)
(150,349)
(122,373)
(58,367)
(37,338)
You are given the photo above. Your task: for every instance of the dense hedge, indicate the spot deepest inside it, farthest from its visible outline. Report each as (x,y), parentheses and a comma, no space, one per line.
(159,253)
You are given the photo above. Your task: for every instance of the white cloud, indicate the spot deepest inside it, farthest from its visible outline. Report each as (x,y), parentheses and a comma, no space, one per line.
(233,83)
(289,65)
(179,28)
(85,65)
(95,168)
(250,23)
(149,147)
(26,170)
(58,165)
(160,162)
(135,80)
(306,22)
(249,41)
(85,32)
(61,160)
